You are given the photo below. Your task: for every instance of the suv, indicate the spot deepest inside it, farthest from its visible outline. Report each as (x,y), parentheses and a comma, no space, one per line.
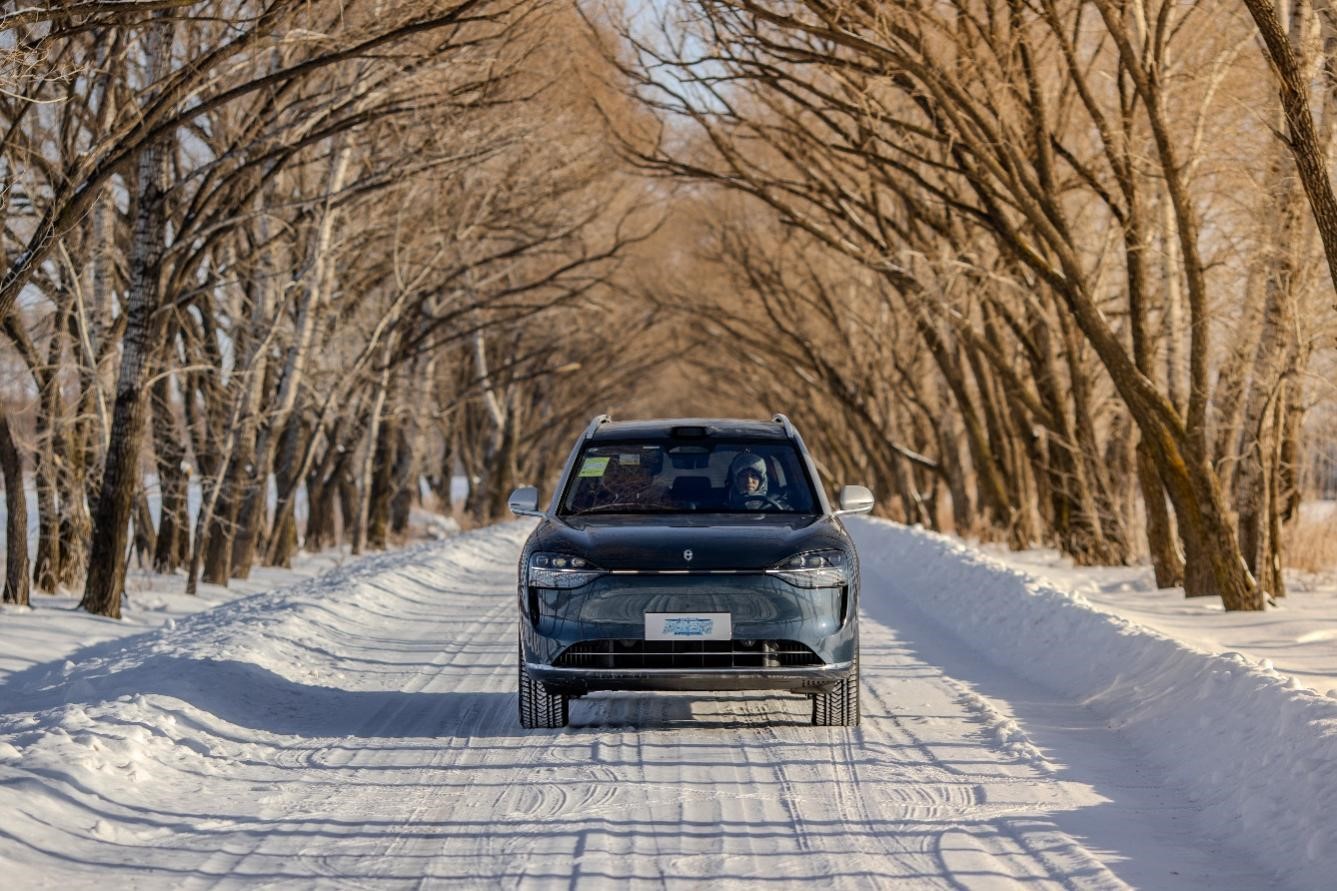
(689,555)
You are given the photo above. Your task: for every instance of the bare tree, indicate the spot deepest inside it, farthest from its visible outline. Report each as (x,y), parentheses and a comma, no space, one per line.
(1009,172)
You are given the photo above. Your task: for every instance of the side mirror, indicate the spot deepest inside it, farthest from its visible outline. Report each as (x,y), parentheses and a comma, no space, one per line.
(524,502)
(855,500)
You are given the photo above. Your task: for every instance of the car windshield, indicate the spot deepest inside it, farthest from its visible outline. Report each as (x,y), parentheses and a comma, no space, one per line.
(691,476)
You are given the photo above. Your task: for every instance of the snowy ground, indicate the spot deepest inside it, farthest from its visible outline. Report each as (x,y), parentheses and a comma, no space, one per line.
(358,730)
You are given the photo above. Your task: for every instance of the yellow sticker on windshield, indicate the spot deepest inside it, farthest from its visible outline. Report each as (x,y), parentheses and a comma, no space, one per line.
(594,466)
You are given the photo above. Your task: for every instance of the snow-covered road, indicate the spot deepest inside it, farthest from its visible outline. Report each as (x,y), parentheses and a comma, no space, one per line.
(360,731)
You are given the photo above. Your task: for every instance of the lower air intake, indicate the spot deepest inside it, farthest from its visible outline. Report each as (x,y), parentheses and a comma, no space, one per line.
(706,654)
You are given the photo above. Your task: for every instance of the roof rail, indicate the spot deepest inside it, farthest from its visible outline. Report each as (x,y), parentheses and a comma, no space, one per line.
(598,421)
(784,422)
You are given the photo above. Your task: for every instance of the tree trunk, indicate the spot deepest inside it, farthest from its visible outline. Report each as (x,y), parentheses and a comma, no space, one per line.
(1211,549)
(321,281)
(16,521)
(912,501)
(365,474)
(300,459)
(1292,452)
(1174,309)
(146,537)
(241,514)
(502,480)
(84,444)
(320,513)
(293,461)
(383,476)
(1306,146)
(475,444)
(103,238)
(445,488)
(963,514)
(1270,575)
(1108,542)
(287,478)
(75,529)
(47,567)
(242,511)
(217,569)
(405,484)
(120,475)
(991,493)
(348,503)
(321,487)
(1212,554)
(204,522)
(1269,571)
(1019,513)
(170,456)
(1161,540)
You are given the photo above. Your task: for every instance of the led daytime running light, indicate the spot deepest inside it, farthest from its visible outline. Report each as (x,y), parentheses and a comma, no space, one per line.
(561,570)
(813,569)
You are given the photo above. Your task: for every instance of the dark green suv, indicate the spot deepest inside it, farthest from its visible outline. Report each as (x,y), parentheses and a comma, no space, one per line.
(689,554)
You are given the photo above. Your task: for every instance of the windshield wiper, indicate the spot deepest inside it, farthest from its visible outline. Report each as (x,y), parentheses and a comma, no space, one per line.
(613,509)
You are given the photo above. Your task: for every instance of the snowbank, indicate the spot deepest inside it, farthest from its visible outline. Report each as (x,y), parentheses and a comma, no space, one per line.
(1259,750)
(233,652)
(235,685)
(53,627)
(1297,634)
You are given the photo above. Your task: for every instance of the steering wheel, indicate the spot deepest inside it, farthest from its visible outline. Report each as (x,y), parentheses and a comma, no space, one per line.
(764,499)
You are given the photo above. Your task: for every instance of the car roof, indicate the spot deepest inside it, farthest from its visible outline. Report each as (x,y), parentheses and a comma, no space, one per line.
(658,428)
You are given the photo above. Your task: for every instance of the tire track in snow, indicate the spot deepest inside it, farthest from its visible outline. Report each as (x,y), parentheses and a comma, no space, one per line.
(420,798)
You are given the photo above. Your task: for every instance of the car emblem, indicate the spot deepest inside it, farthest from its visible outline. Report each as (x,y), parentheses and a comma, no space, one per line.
(687,555)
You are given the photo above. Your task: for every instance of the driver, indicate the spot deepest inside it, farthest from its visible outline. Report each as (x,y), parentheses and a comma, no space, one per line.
(748,484)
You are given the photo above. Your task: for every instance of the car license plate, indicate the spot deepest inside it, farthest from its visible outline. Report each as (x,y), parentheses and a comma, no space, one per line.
(688,626)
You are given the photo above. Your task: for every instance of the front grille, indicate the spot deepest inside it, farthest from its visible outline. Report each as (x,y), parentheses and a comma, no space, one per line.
(686,654)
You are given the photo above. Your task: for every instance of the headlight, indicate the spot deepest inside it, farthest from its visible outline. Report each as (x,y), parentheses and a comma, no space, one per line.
(560,571)
(814,569)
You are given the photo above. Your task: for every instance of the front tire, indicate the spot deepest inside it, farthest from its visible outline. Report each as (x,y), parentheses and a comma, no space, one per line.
(840,707)
(538,707)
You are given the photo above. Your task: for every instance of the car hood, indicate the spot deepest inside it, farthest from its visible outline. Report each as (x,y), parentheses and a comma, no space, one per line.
(717,541)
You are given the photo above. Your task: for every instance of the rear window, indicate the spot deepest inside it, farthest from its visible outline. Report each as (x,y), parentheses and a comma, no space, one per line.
(689,476)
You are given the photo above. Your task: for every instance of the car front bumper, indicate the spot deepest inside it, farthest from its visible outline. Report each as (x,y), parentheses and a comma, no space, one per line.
(761,607)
